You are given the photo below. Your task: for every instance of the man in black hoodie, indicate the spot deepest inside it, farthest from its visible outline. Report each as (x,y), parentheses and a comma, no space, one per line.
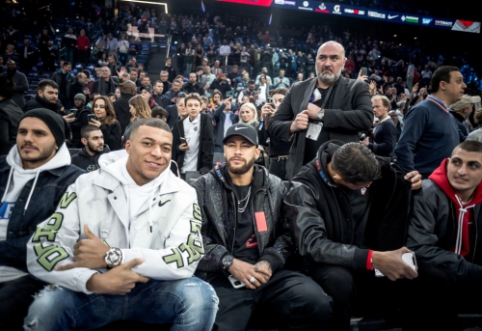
(349,213)
(247,243)
(121,106)
(93,141)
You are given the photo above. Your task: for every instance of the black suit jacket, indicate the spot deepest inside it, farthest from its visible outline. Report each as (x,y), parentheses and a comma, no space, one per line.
(206,144)
(350,113)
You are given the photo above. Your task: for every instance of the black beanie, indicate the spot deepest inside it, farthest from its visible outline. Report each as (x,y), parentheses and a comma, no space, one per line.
(54,121)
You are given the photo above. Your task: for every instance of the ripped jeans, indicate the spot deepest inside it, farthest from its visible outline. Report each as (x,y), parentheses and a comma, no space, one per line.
(189,304)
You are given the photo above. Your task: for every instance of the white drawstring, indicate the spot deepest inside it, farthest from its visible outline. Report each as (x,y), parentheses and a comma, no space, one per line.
(31,191)
(10,175)
(460,221)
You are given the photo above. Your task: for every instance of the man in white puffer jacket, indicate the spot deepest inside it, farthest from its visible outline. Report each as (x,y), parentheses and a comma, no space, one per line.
(123,244)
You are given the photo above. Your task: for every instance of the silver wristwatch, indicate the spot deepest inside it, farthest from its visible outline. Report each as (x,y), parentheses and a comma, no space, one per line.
(320,115)
(113,257)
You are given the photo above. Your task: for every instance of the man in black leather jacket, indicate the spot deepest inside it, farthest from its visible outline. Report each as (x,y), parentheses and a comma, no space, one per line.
(245,237)
(349,213)
(444,232)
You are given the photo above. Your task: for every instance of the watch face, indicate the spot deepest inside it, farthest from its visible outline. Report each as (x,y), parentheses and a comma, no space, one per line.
(113,257)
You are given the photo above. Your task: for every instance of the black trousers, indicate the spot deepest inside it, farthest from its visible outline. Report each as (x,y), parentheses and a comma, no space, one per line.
(436,297)
(277,167)
(15,298)
(356,293)
(289,299)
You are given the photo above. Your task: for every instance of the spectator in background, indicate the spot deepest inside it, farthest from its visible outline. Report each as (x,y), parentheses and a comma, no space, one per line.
(221,84)
(123,48)
(111,45)
(195,152)
(164,76)
(132,64)
(395,115)
(176,111)
(159,112)
(170,70)
(278,150)
(93,142)
(69,42)
(83,46)
(281,80)
(192,86)
(250,92)
(429,133)
(223,117)
(248,114)
(106,121)
(10,115)
(175,90)
(101,46)
(49,55)
(10,54)
(112,63)
(80,111)
(20,83)
(160,99)
(121,106)
(139,108)
(224,51)
(383,140)
(27,56)
(146,94)
(264,72)
(461,111)
(80,85)
(234,76)
(215,70)
(106,83)
(64,80)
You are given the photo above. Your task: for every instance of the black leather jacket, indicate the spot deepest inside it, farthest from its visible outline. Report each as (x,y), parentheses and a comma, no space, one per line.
(433,229)
(215,197)
(320,214)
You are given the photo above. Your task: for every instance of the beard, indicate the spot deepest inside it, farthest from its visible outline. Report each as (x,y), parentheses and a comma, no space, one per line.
(328,78)
(241,170)
(45,154)
(93,148)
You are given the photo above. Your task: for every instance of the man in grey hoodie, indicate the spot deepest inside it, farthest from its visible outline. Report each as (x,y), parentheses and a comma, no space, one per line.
(33,177)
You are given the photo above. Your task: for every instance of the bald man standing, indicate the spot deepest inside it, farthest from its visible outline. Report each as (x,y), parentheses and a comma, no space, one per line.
(326,107)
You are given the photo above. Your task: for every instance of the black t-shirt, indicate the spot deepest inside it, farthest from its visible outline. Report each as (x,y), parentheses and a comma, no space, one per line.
(245,241)
(312,146)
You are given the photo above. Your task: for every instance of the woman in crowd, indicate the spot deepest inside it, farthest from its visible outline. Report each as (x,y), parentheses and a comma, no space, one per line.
(249,114)
(100,45)
(103,60)
(138,108)
(199,55)
(112,97)
(216,100)
(106,121)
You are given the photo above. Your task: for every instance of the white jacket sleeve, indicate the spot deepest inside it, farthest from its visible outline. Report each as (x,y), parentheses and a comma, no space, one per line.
(182,250)
(52,245)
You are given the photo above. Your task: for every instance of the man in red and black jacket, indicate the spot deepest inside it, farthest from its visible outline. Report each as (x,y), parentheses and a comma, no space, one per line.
(349,212)
(445,233)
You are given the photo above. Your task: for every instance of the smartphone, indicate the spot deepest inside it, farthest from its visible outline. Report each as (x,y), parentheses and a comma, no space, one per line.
(364,71)
(409,258)
(91,117)
(235,282)
(183,140)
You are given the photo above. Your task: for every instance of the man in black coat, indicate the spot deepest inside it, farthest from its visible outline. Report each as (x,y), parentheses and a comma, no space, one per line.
(121,106)
(327,107)
(93,141)
(20,83)
(192,86)
(349,213)
(27,56)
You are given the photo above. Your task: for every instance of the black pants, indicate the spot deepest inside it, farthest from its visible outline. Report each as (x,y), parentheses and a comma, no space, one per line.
(277,167)
(15,298)
(435,298)
(356,291)
(289,299)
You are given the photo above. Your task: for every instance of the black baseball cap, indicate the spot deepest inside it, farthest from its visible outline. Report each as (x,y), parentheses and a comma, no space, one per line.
(244,130)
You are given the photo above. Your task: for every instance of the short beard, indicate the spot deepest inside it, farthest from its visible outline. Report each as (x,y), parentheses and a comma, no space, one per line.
(328,78)
(92,149)
(244,169)
(43,155)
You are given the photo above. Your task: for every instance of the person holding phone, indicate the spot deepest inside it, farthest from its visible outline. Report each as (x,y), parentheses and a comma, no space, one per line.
(193,138)
(348,210)
(105,119)
(247,269)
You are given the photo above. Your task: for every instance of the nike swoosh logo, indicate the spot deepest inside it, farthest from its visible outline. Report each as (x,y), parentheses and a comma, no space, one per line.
(238,128)
(163,203)
(391,17)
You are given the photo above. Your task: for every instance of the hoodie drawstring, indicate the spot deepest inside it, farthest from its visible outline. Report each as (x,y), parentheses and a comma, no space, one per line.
(460,221)
(151,222)
(10,175)
(31,191)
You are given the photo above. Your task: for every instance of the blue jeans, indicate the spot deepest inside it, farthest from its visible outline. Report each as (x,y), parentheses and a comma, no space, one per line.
(189,304)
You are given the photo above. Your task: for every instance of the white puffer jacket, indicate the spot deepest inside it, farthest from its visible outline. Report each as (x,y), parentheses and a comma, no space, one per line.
(171,251)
